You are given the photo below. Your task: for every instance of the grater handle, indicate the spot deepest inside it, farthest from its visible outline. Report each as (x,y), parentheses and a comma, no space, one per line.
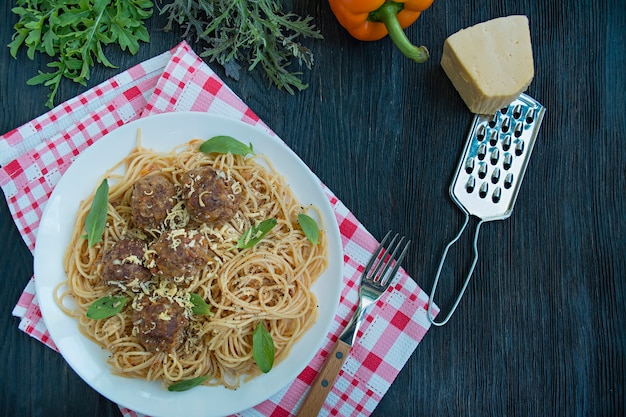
(467,279)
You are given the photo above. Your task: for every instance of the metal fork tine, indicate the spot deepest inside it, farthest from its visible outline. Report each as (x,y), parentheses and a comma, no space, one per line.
(378,268)
(382,261)
(398,261)
(390,261)
(374,257)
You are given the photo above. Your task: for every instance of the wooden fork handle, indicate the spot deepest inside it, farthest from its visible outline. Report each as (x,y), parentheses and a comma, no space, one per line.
(324,382)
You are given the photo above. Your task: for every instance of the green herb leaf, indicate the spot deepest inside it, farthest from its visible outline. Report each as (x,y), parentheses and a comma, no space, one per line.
(255,33)
(106,307)
(200,307)
(263,348)
(187,384)
(309,227)
(18,39)
(97,217)
(77,31)
(226,144)
(253,235)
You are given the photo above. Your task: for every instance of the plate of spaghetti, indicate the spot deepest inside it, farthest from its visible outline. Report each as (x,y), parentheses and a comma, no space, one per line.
(188,264)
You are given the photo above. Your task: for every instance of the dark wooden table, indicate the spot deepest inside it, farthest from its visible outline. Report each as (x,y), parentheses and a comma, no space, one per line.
(541,330)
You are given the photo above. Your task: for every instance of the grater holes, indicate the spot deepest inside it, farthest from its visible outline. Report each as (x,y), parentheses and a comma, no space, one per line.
(494,159)
(482,171)
(470,184)
(482,151)
(495,156)
(506,125)
(495,176)
(497,195)
(484,189)
(493,138)
(519,148)
(480,134)
(508,180)
(506,143)
(508,161)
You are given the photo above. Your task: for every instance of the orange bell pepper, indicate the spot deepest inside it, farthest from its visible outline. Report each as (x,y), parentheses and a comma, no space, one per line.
(371,20)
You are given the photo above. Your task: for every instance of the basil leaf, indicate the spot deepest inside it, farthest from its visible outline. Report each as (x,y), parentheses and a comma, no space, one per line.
(200,307)
(309,227)
(187,384)
(253,235)
(226,144)
(263,348)
(106,307)
(97,217)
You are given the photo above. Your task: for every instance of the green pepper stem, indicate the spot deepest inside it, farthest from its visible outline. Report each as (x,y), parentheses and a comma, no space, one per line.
(388,14)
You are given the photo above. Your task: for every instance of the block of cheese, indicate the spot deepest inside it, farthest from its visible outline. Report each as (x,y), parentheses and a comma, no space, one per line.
(490,63)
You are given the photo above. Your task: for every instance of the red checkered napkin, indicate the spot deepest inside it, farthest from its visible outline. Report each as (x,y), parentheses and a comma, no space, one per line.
(35,156)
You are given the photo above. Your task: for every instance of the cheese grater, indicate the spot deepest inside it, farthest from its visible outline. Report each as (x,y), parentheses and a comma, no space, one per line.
(490,172)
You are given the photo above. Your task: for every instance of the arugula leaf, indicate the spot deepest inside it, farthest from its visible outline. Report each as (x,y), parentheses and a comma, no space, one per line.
(200,307)
(263,348)
(75,32)
(187,384)
(226,144)
(253,235)
(309,227)
(254,32)
(97,217)
(106,307)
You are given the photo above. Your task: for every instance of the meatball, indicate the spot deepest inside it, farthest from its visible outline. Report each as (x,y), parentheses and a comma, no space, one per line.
(209,196)
(152,198)
(179,253)
(123,263)
(160,325)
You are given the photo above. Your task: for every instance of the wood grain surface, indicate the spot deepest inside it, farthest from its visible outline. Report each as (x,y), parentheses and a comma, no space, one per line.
(541,330)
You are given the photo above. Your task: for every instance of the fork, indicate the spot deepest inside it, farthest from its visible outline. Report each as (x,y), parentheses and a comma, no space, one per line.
(375,279)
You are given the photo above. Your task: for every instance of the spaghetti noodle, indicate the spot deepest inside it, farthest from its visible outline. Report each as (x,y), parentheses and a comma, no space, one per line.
(156,336)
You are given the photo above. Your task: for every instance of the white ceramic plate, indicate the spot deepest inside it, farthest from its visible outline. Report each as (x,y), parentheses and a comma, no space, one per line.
(162,133)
